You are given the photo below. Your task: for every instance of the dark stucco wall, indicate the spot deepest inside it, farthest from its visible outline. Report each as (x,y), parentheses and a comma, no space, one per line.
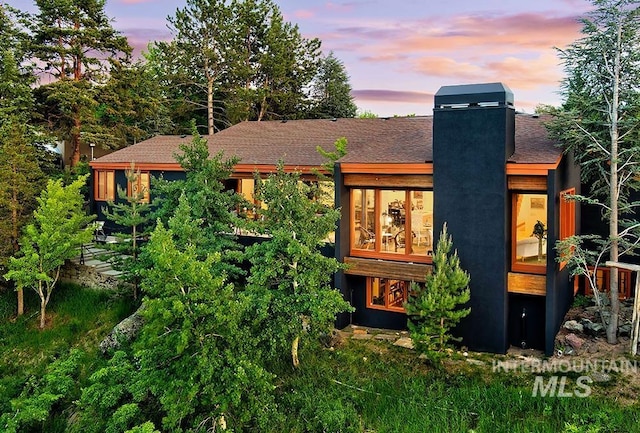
(471,146)
(559,282)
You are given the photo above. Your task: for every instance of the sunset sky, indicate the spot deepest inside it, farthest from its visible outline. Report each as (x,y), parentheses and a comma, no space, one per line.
(399,52)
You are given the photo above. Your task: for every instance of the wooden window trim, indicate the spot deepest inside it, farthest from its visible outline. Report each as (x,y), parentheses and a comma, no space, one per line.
(104,195)
(386,306)
(567,214)
(515,265)
(147,191)
(378,251)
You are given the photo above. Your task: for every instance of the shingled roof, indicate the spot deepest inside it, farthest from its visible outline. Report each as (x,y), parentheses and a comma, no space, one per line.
(380,140)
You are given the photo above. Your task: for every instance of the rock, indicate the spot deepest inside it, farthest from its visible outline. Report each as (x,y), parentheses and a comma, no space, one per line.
(573,325)
(476,362)
(594,328)
(404,342)
(574,341)
(599,376)
(123,332)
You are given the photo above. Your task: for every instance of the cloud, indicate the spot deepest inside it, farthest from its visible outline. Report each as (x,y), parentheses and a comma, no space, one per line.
(304,14)
(391,95)
(134,2)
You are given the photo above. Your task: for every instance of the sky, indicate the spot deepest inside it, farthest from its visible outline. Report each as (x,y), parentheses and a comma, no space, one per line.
(398,53)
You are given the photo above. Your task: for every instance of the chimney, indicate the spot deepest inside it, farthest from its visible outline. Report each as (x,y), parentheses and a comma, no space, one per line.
(473,137)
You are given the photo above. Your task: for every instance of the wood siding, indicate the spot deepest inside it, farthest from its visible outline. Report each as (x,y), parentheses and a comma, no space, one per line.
(423,181)
(386,269)
(527,284)
(527,183)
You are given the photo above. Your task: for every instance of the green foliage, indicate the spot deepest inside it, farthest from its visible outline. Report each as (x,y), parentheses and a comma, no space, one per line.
(233,61)
(206,204)
(434,308)
(367,114)
(340,146)
(133,214)
(39,395)
(290,278)
(20,184)
(331,91)
(59,229)
(599,125)
(72,40)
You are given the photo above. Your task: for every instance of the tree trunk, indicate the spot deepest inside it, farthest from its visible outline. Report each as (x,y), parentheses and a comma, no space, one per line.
(294,352)
(43,310)
(75,143)
(20,293)
(15,246)
(612,329)
(210,106)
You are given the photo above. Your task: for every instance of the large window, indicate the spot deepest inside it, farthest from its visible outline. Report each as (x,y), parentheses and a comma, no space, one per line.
(105,185)
(387,294)
(394,222)
(529,232)
(141,186)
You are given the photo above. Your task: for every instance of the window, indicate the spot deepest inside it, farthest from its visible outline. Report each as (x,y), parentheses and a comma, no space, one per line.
(140,185)
(105,185)
(529,225)
(387,294)
(567,217)
(567,214)
(393,222)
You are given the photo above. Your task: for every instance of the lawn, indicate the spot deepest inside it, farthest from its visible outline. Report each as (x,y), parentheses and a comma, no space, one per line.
(355,386)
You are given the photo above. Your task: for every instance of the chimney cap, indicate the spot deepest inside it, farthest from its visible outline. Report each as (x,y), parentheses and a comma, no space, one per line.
(486,94)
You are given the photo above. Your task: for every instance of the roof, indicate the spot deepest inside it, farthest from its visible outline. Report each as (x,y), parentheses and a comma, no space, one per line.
(401,140)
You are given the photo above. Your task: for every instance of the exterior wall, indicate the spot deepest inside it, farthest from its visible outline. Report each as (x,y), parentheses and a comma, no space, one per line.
(559,284)
(97,207)
(342,243)
(477,212)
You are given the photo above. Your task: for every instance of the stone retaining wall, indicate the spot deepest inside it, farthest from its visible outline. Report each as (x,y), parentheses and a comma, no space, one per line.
(88,276)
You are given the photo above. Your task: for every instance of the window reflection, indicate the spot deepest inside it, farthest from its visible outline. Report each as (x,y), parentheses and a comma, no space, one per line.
(393,221)
(530,227)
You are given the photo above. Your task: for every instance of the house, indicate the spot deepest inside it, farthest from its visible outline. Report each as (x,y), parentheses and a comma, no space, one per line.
(492,175)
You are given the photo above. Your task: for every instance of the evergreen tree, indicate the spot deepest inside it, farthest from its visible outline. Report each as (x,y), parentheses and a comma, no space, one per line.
(600,124)
(434,308)
(131,213)
(331,91)
(16,76)
(290,279)
(21,182)
(212,206)
(71,39)
(58,231)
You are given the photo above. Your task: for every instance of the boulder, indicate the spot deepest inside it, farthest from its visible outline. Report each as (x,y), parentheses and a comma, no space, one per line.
(573,325)
(124,332)
(574,341)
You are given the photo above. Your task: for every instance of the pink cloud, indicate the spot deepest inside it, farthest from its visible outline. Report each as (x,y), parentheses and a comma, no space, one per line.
(304,14)
(391,96)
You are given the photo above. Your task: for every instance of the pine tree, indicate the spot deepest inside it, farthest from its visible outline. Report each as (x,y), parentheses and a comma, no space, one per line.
(331,91)
(72,40)
(132,213)
(434,308)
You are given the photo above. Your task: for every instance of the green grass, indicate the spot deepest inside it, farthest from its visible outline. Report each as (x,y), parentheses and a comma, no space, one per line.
(375,387)
(360,386)
(77,318)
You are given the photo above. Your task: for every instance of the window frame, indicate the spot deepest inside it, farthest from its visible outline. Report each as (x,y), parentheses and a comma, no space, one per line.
(515,265)
(388,306)
(102,194)
(567,217)
(379,251)
(146,197)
